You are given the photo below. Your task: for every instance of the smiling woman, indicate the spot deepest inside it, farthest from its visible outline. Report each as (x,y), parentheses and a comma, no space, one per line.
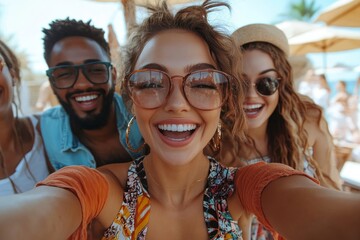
(283,126)
(22,156)
(274,110)
(176,185)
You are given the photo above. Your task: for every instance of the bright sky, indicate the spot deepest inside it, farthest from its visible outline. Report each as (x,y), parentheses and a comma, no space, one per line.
(23,20)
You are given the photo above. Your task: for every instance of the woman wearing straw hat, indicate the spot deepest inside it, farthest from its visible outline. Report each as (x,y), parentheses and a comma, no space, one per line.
(283,126)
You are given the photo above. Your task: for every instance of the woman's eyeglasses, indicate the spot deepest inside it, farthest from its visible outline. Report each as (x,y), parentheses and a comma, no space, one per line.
(205,89)
(66,76)
(265,86)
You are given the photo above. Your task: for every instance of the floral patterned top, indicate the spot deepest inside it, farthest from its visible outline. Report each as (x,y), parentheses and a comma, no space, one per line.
(132,219)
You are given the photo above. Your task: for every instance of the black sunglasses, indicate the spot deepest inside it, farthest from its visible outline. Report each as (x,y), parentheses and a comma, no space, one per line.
(265,86)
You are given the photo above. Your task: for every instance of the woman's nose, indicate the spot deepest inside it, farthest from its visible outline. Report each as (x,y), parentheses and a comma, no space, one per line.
(176,100)
(251,90)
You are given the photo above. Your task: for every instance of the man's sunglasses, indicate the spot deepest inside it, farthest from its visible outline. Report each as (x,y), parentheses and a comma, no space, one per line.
(66,76)
(204,89)
(265,86)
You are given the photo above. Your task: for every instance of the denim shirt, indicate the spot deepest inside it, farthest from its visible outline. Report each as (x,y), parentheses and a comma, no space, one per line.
(65,149)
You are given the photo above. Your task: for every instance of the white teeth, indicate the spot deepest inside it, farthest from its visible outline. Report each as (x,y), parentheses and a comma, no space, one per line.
(177,127)
(252,106)
(86,98)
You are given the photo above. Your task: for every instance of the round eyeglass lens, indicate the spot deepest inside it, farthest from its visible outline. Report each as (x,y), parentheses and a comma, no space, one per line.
(267,86)
(206,90)
(149,89)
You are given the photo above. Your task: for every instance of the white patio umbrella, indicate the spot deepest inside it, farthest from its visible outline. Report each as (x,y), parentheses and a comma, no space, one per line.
(342,13)
(299,64)
(324,39)
(291,28)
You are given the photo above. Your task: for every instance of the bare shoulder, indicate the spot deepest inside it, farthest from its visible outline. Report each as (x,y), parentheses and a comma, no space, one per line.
(116,171)
(316,126)
(116,174)
(313,112)
(315,120)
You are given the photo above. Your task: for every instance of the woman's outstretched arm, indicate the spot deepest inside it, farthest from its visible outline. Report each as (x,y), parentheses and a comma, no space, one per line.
(299,209)
(62,206)
(39,214)
(292,204)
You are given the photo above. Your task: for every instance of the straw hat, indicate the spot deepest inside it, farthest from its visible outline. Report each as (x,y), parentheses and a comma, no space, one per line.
(261,33)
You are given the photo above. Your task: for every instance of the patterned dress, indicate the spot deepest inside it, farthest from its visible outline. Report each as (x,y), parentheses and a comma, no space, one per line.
(132,220)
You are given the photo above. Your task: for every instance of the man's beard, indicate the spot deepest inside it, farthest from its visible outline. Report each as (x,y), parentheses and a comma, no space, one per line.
(92,121)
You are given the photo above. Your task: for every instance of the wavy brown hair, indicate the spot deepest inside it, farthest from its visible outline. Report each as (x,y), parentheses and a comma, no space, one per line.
(288,139)
(194,19)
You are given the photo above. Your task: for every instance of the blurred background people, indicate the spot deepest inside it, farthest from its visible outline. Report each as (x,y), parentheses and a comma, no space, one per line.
(341,125)
(46,99)
(353,103)
(321,92)
(307,83)
(342,96)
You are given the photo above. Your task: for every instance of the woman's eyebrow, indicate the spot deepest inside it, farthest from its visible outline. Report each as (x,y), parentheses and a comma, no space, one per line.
(199,66)
(154,66)
(268,70)
(189,68)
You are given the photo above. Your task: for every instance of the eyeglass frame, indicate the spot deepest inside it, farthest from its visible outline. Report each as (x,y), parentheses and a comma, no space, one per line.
(77,67)
(227,76)
(249,84)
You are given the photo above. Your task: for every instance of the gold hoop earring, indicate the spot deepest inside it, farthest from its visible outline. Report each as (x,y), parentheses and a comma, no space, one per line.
(128,129)
(216,140)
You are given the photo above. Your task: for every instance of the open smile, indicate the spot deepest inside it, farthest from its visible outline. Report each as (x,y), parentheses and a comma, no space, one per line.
(251,110)
(86,98)
(86,102)
(177,132)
